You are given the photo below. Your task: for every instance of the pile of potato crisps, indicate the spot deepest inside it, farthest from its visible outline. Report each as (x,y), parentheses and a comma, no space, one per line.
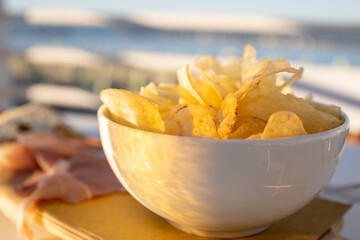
(244,99)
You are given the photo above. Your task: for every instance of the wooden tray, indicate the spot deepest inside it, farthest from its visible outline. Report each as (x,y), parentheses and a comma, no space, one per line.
(119,216)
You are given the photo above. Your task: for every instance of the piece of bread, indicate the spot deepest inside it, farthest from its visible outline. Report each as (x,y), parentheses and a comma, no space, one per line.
(32,117)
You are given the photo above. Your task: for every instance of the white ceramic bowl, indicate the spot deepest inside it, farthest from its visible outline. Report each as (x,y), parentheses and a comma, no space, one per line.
(221,188)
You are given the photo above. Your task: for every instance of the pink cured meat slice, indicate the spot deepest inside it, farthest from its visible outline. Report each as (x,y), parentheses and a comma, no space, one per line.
(61,146)
(72,170)
(85,162)
(16,157)
(97,175)
(60,186)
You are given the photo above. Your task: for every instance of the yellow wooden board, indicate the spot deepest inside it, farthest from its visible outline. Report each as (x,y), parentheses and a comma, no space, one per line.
(119,216)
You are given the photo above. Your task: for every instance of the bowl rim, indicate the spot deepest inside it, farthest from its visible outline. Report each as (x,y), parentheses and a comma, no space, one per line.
(309,137)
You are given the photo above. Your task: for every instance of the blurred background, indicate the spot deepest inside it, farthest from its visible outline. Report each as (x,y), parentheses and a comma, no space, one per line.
(62,52)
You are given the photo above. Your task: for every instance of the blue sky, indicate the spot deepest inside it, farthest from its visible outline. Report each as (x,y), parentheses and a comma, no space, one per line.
(315,11)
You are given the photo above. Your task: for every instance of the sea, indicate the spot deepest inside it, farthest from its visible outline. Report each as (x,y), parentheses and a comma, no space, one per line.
(318,45)
(333,51)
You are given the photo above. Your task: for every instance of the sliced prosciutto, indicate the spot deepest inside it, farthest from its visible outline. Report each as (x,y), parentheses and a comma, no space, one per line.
(82,159)
(67,169)
(16,157)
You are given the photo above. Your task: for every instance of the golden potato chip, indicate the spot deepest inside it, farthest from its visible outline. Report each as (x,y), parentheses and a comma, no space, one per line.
(150,93)
(207,90)
(233,70)
(196,121)
(255,136)
(331,120)
(283,124)
(226,115)
(280,65)
(329,109)
(175,93)
(285,87)
(248,59)
(200,87)
(249,65)
(271,82)
(170,115)
(246,126)
(223,83)
(204,63)
(261,104)
(279,81)
(132,110)
(268,83)
(184,78)
(172,127)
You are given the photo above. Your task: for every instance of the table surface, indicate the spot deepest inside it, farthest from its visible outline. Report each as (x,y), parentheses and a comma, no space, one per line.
(344,186)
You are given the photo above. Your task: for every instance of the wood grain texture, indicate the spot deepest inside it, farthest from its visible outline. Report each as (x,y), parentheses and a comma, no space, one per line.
(119,216)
